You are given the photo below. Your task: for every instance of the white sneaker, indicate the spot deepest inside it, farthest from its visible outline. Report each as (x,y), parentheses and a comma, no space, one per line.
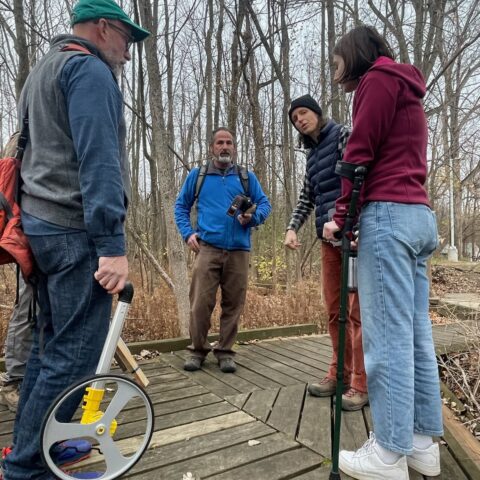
(425,461)
(365,464)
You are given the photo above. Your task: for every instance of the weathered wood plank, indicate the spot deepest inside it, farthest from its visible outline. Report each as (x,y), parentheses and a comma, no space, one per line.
(450,468)
(168,446)
(310,349)
(238,400)
(290,359)
(260,402)
(277,364)
(353,432)
(302,362)
(269,372)
(277,467)
(217,464)
(287,409)
(198,446)
(174,419)
(255,379)
(322,473)
(465,446)
(170,387)
(316,425)
(237,381)
(179,405)
(215,386)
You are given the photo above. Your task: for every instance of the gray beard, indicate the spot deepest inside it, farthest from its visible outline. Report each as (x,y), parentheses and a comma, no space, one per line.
(225,159)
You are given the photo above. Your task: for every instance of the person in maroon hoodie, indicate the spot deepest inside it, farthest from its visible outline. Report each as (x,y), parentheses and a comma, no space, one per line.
(398,233)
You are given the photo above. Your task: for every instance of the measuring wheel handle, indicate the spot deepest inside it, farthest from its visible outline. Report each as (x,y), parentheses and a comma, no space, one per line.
(126,295)
(98,423)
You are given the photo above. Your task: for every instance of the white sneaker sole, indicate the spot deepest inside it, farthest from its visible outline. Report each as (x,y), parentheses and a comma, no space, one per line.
(363,476)
(423,468)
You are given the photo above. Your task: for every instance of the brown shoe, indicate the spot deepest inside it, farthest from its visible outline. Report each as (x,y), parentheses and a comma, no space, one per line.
(354,400)
(9,396)
(326,388)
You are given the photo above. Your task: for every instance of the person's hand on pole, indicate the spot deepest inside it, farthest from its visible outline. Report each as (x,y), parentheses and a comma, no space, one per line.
(112,273)
(329,230)
(291,240)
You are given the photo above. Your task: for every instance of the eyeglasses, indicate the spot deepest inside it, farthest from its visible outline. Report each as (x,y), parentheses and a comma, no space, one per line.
(129,38)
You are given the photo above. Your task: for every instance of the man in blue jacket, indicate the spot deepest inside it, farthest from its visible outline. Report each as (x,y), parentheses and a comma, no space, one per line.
(221,241)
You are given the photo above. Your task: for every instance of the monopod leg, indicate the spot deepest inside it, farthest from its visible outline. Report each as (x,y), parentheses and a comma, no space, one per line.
(358,177)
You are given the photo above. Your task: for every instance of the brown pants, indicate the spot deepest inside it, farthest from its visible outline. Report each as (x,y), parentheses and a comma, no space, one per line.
(215,267)
(354,367)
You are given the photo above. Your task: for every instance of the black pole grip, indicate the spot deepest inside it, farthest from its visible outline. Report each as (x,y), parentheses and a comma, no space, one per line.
(126,294)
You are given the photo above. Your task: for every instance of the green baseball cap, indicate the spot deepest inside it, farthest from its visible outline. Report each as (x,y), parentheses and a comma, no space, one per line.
(86,10)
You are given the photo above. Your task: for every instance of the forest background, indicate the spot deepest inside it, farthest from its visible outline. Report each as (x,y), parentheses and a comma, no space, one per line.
(239,63)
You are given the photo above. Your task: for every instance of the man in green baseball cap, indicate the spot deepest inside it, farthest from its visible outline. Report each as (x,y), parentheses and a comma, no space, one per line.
(75,193)
(86,10)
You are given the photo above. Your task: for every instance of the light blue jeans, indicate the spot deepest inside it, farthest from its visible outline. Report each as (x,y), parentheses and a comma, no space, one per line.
(395,243)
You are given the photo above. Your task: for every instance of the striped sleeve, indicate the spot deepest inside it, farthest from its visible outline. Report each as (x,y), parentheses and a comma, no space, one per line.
(343,140)
(303,209)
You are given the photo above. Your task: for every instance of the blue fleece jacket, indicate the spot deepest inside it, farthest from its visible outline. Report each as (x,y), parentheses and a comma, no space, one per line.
(214,226)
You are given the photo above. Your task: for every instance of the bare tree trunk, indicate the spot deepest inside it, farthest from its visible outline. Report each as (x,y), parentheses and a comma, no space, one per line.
(20,46)
(331,44)
(209,70)
(161,153)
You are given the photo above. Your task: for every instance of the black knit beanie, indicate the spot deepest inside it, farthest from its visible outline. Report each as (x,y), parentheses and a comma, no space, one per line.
(306,101)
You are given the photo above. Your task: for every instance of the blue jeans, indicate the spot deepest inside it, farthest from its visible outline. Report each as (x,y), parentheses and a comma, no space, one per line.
(74,315)
(395,243)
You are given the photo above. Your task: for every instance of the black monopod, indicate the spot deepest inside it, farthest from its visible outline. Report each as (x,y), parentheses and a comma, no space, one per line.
(357,175)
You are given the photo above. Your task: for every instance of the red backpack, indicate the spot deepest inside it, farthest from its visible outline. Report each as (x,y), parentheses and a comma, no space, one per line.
(14,247)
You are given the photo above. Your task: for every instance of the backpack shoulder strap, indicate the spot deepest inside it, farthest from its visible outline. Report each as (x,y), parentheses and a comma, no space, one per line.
(202,171)
(243,174)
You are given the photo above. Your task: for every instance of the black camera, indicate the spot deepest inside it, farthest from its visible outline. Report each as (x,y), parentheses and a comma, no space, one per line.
(240,204)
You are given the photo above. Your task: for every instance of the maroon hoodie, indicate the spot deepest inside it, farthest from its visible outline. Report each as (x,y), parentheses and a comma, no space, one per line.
(389,136)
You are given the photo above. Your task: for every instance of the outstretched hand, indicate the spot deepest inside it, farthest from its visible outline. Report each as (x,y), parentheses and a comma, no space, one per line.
(291,240)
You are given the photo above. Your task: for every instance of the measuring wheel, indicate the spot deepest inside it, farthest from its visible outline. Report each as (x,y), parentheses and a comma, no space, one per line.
(116,417)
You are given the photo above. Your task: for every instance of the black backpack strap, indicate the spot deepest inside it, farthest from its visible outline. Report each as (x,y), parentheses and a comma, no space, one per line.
(202,172)
(23,138)
(21,145)
(243,175)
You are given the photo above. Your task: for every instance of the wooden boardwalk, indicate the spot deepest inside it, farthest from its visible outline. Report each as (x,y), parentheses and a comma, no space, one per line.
(257,424)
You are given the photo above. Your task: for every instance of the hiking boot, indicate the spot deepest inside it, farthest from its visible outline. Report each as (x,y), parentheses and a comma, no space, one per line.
(193,363)
(227,365)
(365,464)
(9,396)
(326,388)
(425,461)
(353,400)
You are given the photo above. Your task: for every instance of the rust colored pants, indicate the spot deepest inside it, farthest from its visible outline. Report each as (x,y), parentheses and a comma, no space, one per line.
(354,367)
(215,267)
